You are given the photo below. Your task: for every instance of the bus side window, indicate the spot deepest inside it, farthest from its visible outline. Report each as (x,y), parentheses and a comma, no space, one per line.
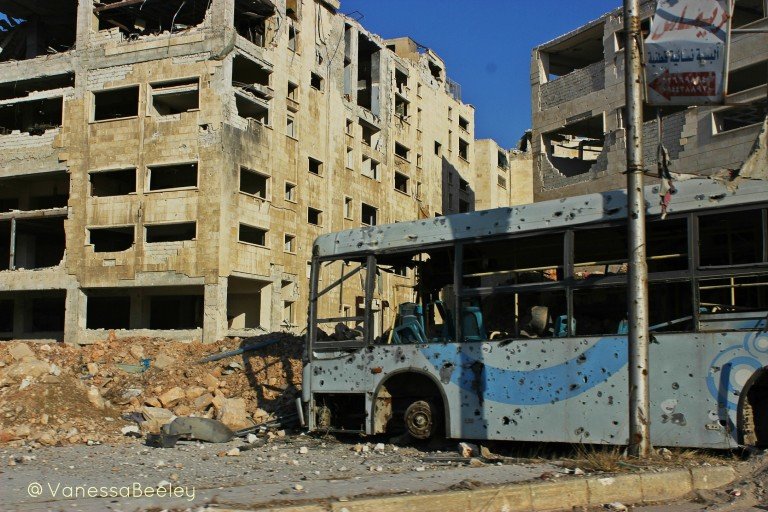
(515,315)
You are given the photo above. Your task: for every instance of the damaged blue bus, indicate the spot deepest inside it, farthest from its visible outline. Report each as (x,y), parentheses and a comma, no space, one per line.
(510,324)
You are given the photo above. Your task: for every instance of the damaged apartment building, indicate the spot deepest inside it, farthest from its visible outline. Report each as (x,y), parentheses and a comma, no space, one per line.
(578,138)
(165,165)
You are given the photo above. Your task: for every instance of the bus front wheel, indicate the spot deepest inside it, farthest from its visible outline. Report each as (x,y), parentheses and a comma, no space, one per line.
(420,419)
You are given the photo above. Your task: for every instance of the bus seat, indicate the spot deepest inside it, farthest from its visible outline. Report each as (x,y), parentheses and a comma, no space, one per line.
(623,327)
(561,326)
(472,324)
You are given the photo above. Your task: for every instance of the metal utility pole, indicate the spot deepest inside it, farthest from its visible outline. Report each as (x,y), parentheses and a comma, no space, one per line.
(637,290)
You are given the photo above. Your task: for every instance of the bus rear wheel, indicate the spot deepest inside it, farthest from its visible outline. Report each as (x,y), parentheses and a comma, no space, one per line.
(419,419)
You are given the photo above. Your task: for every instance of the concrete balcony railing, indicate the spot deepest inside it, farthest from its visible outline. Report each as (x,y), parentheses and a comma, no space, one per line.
(574,85)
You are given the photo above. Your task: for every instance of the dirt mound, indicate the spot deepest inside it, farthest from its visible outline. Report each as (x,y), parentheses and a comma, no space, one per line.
(55,394)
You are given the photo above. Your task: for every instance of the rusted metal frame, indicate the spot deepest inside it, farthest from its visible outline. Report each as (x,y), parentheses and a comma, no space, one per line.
(12,259)
(458,276)
(370,284)
(117,5)
(336,283)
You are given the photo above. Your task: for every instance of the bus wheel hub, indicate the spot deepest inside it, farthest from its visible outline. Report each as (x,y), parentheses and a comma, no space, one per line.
(419,419)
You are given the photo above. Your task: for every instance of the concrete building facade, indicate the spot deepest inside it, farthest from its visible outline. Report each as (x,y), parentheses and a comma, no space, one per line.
(502,177)
(166,166)
(578,103)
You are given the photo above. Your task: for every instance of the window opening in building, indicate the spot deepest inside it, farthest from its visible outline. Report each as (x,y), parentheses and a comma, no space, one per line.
(401,182)
(289,243)
(502,162)
(290,192)
(402,151)
(347,207)
(747,77)
(177,232)
(255,21)
(252,235)
(350,163)
(368,73)
(34,29)
(253,93)
(112,183)
(314,216)
(170,98)
(370,168)
(747,11)
(37,191)
(116,103)
(174,312)
(31,116)
(134,20)
(740,116)
(111,239)
(401,107)
(111,312)
(371,134)
(163,177)
(293,38)
(463,124)
(464,149)
(316,81)
(254,183)
(368,214)
(438,149)
(290,127)
(315,166)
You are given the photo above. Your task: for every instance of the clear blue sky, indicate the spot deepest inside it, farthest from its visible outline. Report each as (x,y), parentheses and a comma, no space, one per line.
(486,46)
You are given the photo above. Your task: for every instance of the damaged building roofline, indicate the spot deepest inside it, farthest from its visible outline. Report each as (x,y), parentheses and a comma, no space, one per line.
(552,45)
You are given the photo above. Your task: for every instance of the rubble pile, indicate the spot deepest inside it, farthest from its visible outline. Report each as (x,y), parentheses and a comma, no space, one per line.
(53,394)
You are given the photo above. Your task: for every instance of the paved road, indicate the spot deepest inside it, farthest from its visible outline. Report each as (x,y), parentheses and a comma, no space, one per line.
(277,472)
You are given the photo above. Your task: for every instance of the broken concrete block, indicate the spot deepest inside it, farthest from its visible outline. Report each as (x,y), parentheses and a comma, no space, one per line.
(195,391)
(157,414)
(94,396)
(171,397)
(163,361)
(232,414)
(210,381)
(19,351)
(29,367)
(203,401)
(137,351)
(93,368)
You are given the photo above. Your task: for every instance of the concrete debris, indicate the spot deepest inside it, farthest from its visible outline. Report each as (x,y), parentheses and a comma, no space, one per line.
(303,450)
(20,351)
(234,452)
(130,430)
(468,450)
(616,506)
(86,395)
(171,397)
(94,396)
(379,447)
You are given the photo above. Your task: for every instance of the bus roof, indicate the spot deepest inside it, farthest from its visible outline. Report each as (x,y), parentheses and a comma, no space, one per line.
(693,194)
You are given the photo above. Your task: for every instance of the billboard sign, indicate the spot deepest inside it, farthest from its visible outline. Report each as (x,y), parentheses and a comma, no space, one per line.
(686,52)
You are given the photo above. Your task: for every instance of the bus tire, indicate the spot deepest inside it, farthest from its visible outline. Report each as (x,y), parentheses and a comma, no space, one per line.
(419,419)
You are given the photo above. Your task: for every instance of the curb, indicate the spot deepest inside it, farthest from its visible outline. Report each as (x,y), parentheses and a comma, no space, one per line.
(536,496)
